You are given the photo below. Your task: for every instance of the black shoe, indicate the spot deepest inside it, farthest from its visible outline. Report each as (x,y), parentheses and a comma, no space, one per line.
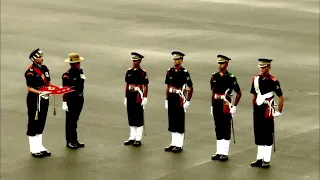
(137,143)
(80,145)
(46,153)
(72,145)
(257,163)
(265,164)
(169,148)
(38,155)
(223,158)
(216,157)
(177,149)
(129,142)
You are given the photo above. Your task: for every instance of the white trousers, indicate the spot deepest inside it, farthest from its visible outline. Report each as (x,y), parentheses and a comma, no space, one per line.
(223,147)
(35,143)
(264,153)
(136,133)
(177,139)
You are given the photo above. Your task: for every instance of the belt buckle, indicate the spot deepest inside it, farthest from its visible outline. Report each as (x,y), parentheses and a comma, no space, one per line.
(218,97)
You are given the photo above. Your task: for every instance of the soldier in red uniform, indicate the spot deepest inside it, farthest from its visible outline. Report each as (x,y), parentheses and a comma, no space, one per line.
(264,85)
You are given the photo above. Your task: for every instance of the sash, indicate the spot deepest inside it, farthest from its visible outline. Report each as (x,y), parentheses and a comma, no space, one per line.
(39,72)
(260,98)
(264,99)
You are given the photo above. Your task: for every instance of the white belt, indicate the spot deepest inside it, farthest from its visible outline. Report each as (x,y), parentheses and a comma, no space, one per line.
(223,97)
(137,89)
(268,95)
(261,98)
(177,91)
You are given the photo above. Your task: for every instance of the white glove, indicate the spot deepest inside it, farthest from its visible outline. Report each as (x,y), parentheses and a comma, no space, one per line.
(276,114)
(186,105)
(125,102)
(64,106)
(44,94)
(166,104)
(144,102)
(233,109)
(211,110)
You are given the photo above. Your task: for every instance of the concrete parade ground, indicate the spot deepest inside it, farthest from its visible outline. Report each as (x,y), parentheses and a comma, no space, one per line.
(105,32)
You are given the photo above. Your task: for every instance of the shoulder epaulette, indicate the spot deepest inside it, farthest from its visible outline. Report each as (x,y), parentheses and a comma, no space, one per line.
(129,69)
(29,68)
(185,70)
(144,70)
(230,74)
(273,78)
(168,69)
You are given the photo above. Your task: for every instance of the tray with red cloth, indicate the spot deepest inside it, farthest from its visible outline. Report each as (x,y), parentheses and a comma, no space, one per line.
(56,90)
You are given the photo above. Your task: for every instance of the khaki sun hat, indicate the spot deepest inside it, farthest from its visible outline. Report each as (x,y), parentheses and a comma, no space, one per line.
(74,58)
